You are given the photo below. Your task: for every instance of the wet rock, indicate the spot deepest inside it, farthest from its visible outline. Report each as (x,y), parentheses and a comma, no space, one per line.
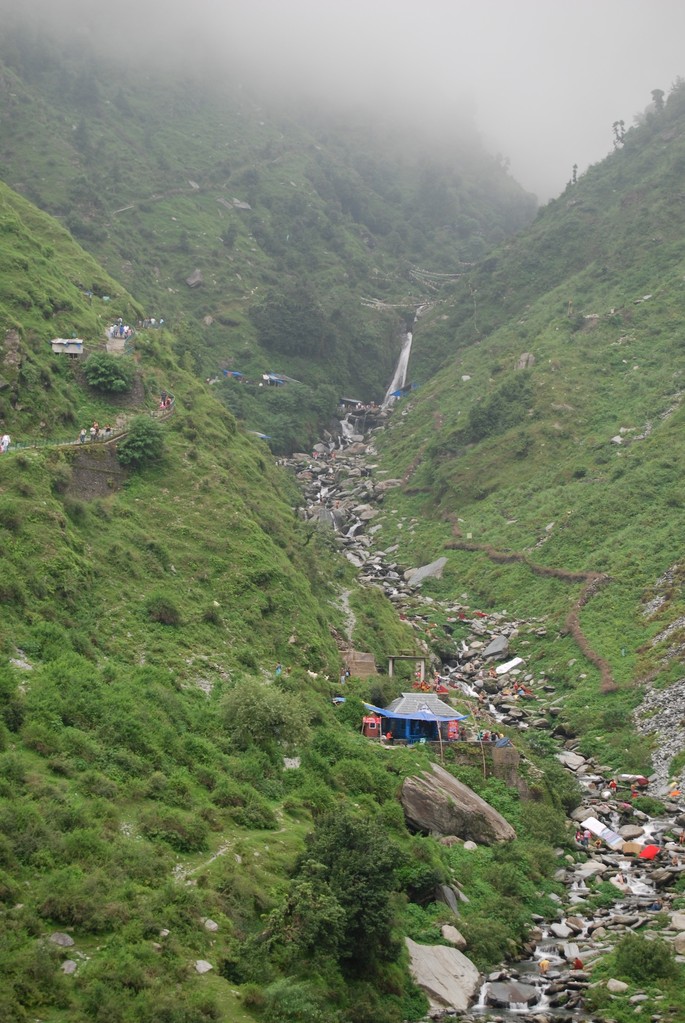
(630,831)
(502,995)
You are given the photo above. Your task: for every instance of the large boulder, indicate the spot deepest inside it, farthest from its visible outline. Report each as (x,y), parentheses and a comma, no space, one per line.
(437,803)
(448,978)
(415,576)
(500,995)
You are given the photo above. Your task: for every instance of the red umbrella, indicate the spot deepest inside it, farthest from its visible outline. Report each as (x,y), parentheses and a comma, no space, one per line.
(649,852)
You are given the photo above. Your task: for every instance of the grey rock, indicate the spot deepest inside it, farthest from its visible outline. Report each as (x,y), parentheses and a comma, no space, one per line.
(499,647)
(616,987)
(435,802)
(500,995)
(202,966)
(571,760)
(416,576)
(455,937)
(61,939)
(449,979)
(69,966)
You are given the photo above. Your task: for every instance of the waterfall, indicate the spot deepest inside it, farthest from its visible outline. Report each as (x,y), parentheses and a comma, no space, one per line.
(400,375)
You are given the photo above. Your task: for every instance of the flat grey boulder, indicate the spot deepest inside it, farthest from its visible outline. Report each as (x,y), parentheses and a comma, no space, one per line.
(449,979)
(499,647)
(62,939)
(437,803)
(415,576)
(571,760)
(501,995)
(630,831)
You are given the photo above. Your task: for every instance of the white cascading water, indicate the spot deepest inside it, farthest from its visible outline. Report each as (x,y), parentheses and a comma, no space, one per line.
(400,375)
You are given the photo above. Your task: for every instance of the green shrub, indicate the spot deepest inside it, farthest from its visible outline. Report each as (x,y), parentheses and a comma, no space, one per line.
(182,831)
(255,813)
(143,444)
(10,516)
(641,961)
(160,608)
(109,373)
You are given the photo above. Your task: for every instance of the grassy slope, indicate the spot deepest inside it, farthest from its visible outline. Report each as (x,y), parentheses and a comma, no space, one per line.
(524,459)
(135,796)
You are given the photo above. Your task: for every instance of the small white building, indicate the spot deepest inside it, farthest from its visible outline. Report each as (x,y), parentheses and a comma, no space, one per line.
(67,346)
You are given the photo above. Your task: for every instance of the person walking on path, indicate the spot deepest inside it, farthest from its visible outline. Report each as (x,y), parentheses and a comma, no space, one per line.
(82,436)
(5,442)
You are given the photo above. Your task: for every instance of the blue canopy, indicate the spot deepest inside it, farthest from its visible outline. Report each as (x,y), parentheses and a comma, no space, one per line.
(419,715)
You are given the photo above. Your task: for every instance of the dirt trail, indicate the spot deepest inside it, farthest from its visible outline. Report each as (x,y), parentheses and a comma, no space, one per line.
(592,582)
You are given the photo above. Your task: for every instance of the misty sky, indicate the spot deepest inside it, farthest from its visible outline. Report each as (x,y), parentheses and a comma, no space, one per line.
(545,79)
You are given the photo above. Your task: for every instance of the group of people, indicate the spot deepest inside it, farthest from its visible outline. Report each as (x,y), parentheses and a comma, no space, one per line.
(120,329)
(96,432)
(165,401)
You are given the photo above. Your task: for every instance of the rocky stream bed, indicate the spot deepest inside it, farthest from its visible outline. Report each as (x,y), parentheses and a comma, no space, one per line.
(344,490)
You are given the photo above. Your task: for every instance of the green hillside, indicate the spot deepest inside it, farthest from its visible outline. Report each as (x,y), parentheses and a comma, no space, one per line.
(554,429)
(190,828)
(293,220)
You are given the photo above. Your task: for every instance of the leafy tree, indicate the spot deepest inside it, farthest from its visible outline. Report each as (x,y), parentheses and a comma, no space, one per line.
(658,99)
(144,443)
(257,715)
(109,373)
(354,858)
(310,923)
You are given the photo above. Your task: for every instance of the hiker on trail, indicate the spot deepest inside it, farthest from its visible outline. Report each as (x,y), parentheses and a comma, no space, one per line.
(82,436)
(92,432)
(278,670)
(5,442)
(108,432)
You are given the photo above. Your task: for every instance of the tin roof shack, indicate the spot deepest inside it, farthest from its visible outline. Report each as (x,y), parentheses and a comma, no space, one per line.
(418,717)
(72,346)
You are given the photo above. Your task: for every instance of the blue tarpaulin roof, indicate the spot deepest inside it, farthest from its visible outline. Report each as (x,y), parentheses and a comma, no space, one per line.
(419,715)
